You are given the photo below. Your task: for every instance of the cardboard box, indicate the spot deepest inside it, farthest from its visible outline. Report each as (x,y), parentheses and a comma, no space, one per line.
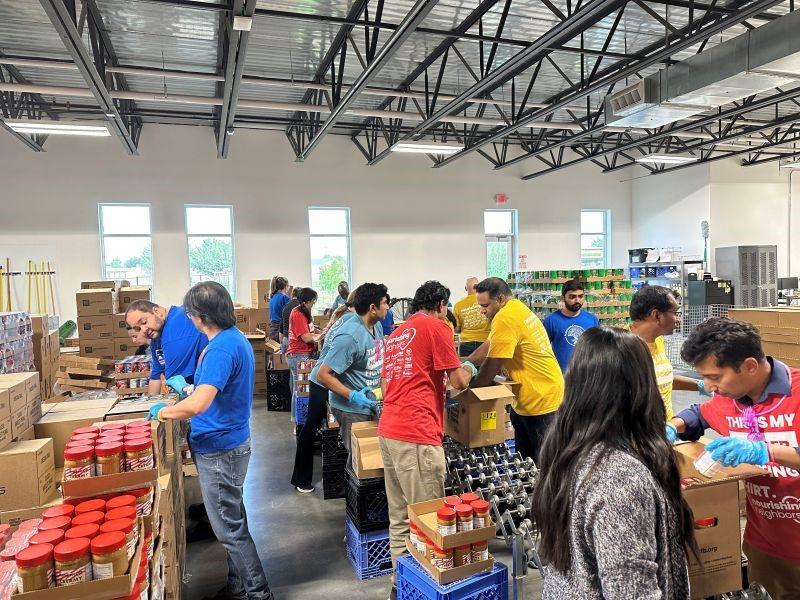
(242,316)
(95,302)
(102,284)
(479,417)
(259,320)
(96,327)
(272,346)
(259,293)
(19,422)
(5,403)
(58,423)
(443,577)
(278,363)
(781,350)
(35,460)
(719,570)
(119,328)
(366,460)
(97,348)
(40,324)
(34,412)
(15,517)
(15,394)
(124,348)
(321,321)
(423,514)
(5,432)
(128,295)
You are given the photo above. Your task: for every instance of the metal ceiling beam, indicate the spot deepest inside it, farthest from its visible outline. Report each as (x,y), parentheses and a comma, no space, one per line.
(35,143)
(560,34)
(235,48)
(410,22)
(59,17)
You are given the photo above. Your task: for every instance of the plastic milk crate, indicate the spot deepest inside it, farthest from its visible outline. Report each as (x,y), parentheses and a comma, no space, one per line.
(367,505)
(300,409)
(414,583)
(333,450)
(368,552)
(334,481)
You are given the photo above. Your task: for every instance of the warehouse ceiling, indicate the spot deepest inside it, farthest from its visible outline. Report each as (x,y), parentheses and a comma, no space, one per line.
(514,81)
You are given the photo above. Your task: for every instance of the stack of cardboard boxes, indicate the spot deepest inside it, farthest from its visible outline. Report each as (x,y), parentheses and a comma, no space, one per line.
(252,320)
(20,406)
(259,293)
(102,330)
(16,342)
(779,329)
(46,351)
(260,354)
(84,374)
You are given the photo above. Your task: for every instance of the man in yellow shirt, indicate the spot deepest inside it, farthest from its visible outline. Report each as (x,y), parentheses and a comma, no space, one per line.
(654,314)
(518,342)
(471,323)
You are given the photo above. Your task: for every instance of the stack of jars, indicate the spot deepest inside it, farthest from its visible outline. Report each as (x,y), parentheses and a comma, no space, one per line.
(113,448)
(74,543)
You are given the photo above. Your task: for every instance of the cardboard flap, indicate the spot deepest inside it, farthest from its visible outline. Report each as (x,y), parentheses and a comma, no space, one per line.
(687,452)
(491,392)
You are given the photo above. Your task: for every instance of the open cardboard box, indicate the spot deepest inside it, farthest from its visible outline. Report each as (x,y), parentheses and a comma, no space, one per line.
(443,577)
(423,514)
(720,567)
(366,460)
(479,417)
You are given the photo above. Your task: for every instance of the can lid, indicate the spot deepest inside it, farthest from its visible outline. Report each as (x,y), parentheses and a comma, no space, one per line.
(123,500)
(108,542)
(446,513)
(464,510)
(29,524)
(89,517)
(480,506)
(469,497)
(123,512)
(90,506)
(108,448)
(35,555)
(123,525)
(137,444)
(48,536)
(72,549)
(61,510)
(87,429)
(87,531)
(78,452)
(452,501)
(55,523)
(705,522)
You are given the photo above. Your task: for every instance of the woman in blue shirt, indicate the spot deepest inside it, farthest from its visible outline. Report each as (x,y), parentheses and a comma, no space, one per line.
(218,406)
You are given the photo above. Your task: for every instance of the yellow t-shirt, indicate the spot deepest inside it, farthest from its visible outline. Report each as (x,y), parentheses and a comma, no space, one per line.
(518,336)
(475,327)
(664,375)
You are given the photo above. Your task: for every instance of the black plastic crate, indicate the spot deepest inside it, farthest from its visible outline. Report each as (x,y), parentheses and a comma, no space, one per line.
(334,481)
(279,391)
(367,505)
(333,450)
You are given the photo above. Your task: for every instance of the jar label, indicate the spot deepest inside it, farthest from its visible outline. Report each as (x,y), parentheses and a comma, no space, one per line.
(413,538)
(463,559)
(143,463)
(447,529)
(70,576)
(479,555)
(103,570)
(145,508)
(444,563)
(84,472)
(478,522)
(464,526)
(21,582)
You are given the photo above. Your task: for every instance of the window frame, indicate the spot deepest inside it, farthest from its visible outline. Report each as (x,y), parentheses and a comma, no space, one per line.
(231,235)
(104,235)
(502,237)
(606,233)
(347,235)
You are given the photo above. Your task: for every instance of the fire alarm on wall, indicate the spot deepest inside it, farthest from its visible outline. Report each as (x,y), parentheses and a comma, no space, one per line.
(500,199)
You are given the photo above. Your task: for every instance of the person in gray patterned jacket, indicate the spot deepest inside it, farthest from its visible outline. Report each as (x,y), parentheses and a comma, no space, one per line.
(608,503)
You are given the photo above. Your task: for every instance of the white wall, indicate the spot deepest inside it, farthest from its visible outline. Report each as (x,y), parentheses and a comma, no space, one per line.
(409,222)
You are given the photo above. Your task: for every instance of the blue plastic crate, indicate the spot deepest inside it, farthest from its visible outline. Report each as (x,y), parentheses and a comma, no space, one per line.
(368,552)
(301,409)
(512,446)
(414,583)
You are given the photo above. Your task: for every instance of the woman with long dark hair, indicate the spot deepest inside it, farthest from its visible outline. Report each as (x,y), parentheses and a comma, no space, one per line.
(302,339)
(608,503)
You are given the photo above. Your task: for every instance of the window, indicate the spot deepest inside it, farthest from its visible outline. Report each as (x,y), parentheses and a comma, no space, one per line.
(500,228)
(209,233)
(595,239)
(126,251)
(329,230)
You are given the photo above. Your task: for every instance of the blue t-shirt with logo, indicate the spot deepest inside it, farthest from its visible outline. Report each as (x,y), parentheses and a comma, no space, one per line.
(176,350)
(276,304)
(330,335)
(355,355)
(564,332)
(228,365)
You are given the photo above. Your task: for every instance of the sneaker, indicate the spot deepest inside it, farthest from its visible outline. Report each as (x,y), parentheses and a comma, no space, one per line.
(393,593)
(303,489)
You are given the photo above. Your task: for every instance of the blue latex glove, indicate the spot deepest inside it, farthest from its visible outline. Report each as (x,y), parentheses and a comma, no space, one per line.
(178,384)
(154,410)
(470,367)
(672,433)
(734,451)
(358,398)
(701,389)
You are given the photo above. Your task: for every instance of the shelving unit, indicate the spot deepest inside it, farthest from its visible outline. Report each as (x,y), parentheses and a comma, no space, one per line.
(674,274)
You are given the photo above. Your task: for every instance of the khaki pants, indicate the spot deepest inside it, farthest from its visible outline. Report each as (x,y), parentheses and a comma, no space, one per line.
(413,473)
(779,577)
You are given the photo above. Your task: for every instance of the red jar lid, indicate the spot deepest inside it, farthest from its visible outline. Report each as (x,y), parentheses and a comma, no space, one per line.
(140,492)
(111,425)
(62,523)
(88,429)
(123,512)
(90,506)
(96,517)
(12,548)
(78,452)
(137,424)
(72,549)
(480,506)
(105,543)
(119,501)
(88,437)
(705,522)
(464,510)
(138,435)
(123,525)
(137,444)
(446,513)
(29,524)
(109,439)
(48,536)
(33,556)
(480,543)
(87,531)
(464,548)
(469,497)
(61,510)
(108,449)
(452,501)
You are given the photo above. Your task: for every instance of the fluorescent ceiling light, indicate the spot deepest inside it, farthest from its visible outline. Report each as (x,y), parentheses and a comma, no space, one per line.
(241,23)
(671,159)
(795,164)
(427,148)
(59,128)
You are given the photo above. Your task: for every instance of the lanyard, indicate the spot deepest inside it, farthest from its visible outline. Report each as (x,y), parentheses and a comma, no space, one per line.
(750,416)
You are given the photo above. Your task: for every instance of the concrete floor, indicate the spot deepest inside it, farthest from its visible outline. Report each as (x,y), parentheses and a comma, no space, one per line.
(300,538)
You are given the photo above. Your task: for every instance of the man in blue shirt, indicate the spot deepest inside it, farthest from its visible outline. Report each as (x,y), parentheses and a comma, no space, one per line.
(175,344)
(218,406)
(564,327)
(352,365)
(344,291)
(281,296)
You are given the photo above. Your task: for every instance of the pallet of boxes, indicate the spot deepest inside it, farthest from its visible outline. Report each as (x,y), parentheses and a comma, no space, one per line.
(779,329)
(254,323)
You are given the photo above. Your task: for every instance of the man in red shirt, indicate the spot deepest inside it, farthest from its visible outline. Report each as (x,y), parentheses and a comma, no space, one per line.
(755,407)
(418,356)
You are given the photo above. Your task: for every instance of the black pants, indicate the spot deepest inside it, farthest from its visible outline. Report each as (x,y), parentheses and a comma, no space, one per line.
(467,348)
(304,456)
(529,433)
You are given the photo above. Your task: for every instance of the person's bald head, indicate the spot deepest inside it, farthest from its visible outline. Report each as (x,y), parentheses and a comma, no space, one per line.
(470,286)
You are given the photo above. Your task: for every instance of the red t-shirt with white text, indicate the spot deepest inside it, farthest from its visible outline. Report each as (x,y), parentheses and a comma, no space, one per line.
(773,500)
(416,358)
(298,325)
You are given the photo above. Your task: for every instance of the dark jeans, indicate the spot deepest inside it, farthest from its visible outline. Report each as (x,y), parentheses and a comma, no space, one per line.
(467,348)
(222,477)
(304,456)
(529,433)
